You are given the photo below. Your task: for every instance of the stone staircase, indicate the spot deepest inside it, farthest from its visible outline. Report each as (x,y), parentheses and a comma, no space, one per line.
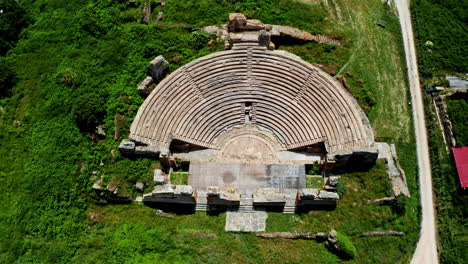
(202,202)
(246,204)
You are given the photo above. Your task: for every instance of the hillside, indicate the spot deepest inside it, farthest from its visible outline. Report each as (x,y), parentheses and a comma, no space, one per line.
(69,66)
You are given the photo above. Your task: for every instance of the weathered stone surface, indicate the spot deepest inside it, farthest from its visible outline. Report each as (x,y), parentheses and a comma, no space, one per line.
(268,196)
(383,233)
(237,16)
(395,173)
(159,67)
(183,190)
(328,195)
(333,181)
(293,235)
(223,195)
(159,177)
(146,86)
(246,221)
(100,131)
(160,17)
(139,186)
(97,184)
(120,124)
(127,146)
(308,194)
(113,185)
(164,189)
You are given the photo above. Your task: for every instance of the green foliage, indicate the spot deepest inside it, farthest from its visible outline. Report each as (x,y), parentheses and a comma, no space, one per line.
(444,24)
(341,188)
(400,203)
(452,203)
(458,111)
(13,19)
(77,64)
(314,170)
(88,110)
(200,39)
(348,251)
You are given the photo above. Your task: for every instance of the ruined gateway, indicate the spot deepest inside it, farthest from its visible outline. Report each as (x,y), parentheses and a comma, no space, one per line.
(249,121)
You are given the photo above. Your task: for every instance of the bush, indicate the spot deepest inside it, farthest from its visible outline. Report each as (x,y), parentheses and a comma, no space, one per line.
(200,39)
(348,251)
(88,110)
(341,188)
(399,205)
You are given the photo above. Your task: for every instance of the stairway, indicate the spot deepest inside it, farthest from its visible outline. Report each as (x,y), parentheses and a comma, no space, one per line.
(246,204)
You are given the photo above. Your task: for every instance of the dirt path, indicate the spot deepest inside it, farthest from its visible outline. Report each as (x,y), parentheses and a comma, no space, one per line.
(426,251)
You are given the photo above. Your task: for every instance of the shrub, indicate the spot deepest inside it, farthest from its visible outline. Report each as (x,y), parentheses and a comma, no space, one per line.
(341,188)
(399,205)
(348,251)
(199,39)
(88,110)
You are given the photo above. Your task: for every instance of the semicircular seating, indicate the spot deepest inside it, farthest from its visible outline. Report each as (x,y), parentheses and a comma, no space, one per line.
(299,103)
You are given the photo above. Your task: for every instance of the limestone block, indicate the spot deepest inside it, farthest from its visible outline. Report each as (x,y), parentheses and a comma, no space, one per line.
(166,189)
(186,190)
(308,194)
(127,146)
(328,195)
(139,186)
(146,86)
(159,67)
(159,177)
(268,195)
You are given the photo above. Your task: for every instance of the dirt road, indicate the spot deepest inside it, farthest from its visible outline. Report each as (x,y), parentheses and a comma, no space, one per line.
(426,251)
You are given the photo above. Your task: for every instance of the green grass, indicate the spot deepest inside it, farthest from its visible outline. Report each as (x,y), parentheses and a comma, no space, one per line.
(314,182)
(179,178)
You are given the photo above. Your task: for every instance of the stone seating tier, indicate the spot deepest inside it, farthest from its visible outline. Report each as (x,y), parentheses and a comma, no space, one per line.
(298,102)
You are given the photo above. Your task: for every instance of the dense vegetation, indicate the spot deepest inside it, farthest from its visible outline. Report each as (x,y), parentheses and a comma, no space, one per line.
(67,66)
(442,35)
(441,40)
(458,114)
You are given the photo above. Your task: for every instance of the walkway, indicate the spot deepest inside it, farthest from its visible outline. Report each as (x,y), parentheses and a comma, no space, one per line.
(426,251)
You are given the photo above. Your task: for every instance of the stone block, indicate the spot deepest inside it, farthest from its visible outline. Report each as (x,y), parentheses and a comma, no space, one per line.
(127,146)
(328,195)
(146,86)
(308,194)
(159,67)
(268,196)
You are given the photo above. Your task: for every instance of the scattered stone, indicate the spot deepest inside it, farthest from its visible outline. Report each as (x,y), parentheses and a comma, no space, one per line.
(293,235)
(139,199)
(120,124)
(383,201)
(159,67)
(139,186)
(204,235)
(160,17)
(160,213)
(383,233)
(146,10)
(146,86)
(113,185)
(159,177)
(100,131)
(98,183)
